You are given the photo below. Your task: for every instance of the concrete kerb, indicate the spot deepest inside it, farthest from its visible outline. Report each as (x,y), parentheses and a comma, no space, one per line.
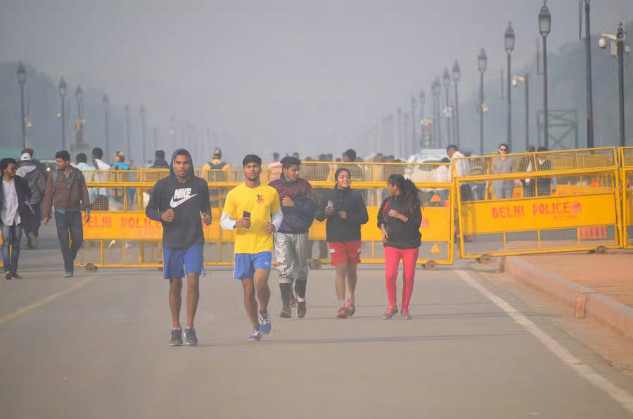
(583,301)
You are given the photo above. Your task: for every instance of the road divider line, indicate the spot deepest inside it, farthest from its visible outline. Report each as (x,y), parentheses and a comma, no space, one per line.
(40,303)
(621,396)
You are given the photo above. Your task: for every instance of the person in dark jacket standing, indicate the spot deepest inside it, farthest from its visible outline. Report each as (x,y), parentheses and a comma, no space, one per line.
(36,176)
(177,202)
(399,219)
(298,205)
(66,191)
(345,212)
(14,207)
(160,162)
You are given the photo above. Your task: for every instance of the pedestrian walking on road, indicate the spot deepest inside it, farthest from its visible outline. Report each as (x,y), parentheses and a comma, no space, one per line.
(399,219)
(252,210)
(36,176)
(66,191)
(545,186)
(100,202)
(177,202)
(501,165)
(14,206)
(345,212)
(298,205)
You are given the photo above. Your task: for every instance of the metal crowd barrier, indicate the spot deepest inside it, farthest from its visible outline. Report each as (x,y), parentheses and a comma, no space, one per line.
(547,202)
(626,182)
(119,234)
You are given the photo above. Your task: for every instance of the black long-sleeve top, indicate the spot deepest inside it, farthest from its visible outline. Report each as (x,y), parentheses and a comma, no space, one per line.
(401,235)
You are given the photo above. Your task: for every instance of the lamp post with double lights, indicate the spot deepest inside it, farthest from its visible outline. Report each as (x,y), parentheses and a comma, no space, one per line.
(456,76)
(446,79)
(106,120)
(618,49)
(61,89)
(590,142)
(422,99)
(515,83)
(436,90)
(545,27)
(79,95)
(509,46)
(21,81)
(482,64)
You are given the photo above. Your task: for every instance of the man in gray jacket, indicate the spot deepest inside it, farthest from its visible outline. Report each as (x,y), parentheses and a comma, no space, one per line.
(35,175)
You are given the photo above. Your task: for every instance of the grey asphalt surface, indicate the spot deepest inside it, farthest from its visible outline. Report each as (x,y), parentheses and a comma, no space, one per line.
(98,348)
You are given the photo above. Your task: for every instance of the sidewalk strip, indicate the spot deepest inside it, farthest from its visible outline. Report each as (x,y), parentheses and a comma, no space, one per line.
(621,396)
(28,308)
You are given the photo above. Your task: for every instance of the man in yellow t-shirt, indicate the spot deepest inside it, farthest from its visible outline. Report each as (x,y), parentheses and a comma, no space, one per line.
(253,211)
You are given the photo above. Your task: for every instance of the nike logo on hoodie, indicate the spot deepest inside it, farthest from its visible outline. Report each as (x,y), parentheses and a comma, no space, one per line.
(180,196)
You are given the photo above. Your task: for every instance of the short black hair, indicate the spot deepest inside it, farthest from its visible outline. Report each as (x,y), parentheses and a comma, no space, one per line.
(338,172)
(289,161)
(541,149)
(251,158)
(351,153)
(276,156)
(160,154)
(28,151)
(4,163)
(452,147)
(97,152)
(64,155)
(81,158)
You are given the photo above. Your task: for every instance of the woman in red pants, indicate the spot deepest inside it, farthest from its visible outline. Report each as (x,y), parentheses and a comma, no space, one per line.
(399,219)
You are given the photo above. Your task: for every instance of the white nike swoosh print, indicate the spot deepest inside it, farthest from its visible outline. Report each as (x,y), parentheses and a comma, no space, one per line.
(174,204)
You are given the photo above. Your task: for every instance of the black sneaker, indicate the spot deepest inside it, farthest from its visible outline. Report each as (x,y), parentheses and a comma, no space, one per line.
(176,337)
(301,309)
(190,336)
(286,312)
(15,275)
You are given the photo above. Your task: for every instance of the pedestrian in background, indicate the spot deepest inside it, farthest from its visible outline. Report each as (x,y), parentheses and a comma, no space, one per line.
(100,203)
(159,160)
(345,212)
(14,206)
(501,165)
(399,220)
(526,164)
(66,191)
(36,175)
(545,186)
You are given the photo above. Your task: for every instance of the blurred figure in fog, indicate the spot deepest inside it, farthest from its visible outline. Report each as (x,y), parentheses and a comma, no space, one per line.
(501,165)
(159,160)
(544,186)
(36,175)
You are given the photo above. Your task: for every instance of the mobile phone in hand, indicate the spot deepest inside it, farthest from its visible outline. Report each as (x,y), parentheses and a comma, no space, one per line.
(330,204)
(246,214)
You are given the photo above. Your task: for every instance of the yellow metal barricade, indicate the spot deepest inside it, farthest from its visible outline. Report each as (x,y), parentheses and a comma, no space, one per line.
(554,201)
(626,182)
(119,234)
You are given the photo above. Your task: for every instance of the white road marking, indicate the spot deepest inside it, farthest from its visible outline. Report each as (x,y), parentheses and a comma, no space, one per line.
(616,393)
(40,303)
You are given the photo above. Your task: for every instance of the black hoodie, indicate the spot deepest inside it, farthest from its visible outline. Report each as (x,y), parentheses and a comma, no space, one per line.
(338,229)
(187,200)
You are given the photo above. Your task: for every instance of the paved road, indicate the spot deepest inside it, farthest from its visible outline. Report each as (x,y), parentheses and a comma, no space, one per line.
(96,347)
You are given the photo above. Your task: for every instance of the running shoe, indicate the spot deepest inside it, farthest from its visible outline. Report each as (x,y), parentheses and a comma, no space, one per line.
(190,336)
(350,307)
(15,275)
(264,323)
(176,337)
(405,314)
(7,275)
(301,309)
(68,274)
(390,312)
(292,302)
(342,312)
(255,336)
(286,312)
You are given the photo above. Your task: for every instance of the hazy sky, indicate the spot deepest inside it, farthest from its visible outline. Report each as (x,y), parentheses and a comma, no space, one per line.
(283,74)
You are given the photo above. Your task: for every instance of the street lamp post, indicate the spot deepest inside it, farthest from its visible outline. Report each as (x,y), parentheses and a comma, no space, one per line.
(413,124)
(482,63)
(106,115)
(456,76)
(79,95)
(545,26)
(61,88)
(436,89)
(21,82)
(509,46)
(515,82)
(422,104)
(590,142)
(127,132)
(619,51)
(143,127)
(446,78)
(399,133)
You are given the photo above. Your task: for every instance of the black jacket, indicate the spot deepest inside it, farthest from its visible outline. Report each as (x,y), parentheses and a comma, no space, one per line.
(188,200)
(350,201)
(24,195)
(401,235)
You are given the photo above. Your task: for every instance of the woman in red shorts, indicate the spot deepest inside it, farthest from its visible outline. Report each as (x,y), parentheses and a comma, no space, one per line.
(345,212)
(399,219)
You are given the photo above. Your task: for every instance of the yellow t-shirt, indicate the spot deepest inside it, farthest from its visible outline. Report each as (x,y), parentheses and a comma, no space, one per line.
(260,202)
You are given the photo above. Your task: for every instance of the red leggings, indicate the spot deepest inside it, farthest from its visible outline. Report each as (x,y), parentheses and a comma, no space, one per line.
(392,260)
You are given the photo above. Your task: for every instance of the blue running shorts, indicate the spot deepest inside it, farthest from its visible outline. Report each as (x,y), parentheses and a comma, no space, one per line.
(178,262)
(247,263)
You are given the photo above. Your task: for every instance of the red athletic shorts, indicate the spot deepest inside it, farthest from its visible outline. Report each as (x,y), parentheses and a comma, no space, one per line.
(345,252)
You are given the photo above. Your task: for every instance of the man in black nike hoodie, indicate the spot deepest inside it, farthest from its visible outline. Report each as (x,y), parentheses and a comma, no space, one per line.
(177,202)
